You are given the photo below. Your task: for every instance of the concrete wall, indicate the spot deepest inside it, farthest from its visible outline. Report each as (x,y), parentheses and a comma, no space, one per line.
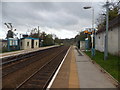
(36,43)
(99,41)
(24,44)
(82,45)
(113,41)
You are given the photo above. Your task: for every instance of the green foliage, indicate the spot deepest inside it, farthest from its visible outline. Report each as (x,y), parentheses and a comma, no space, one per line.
(113,13)
(81,37)
(48,40)
(10,34)
(111,65)
(57,40)
(68,42)
(43,35)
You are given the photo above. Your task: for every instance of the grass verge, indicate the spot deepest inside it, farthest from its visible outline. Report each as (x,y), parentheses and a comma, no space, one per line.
(111,65)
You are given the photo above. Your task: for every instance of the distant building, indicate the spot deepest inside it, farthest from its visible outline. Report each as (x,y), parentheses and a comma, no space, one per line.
(3,44)
(28,43)
(113,37)
(82,45)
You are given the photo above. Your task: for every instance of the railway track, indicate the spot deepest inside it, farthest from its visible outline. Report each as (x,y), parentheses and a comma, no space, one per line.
(12,59)
(15,65)
(42,76)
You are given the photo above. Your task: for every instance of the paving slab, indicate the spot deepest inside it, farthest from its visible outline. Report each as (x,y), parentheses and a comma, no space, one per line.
(89,75)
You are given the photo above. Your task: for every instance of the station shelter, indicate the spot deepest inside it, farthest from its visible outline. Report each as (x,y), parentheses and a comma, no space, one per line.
(12,44)
(82,45)
(28,43)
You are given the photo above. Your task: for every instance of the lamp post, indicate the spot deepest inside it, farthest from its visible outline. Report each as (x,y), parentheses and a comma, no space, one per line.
(93,39)
(106,34)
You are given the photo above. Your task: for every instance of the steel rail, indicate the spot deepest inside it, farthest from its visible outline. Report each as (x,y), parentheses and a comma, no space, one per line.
(19,86)
(27,63)
(22,56)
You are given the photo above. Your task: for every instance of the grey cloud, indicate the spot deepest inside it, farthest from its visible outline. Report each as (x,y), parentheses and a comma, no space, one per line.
(69,16)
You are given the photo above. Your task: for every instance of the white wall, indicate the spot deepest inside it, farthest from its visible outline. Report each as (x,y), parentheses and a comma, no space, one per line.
(24,44)
(82,45)
(113,41)
(99,41)
(36,43)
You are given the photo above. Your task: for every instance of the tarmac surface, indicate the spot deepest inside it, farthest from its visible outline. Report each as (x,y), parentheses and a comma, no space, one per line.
(78,71)
(89,75)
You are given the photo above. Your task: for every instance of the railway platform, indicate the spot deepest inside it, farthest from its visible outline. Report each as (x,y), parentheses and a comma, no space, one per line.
(90,76)
(67,76)
(57,67)
(14,53)
(78,71)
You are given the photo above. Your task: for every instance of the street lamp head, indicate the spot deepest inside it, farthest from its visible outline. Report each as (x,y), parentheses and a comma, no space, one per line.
(14,29)
(103,14)
(87,7)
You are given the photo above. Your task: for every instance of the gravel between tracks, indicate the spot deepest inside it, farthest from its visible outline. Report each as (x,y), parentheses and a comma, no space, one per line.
(13,79)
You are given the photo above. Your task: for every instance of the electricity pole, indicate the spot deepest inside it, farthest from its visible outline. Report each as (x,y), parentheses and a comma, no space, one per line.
(93,30)
(106,34)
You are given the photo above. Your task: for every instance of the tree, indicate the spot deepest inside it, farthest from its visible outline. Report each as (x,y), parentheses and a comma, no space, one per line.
(10,34)
(113,12)
(43,35)
(57,40)
(35,33)
(81,37)
(48,40)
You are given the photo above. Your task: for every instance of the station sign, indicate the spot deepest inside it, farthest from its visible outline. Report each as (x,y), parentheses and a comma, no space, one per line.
(86,32)
(89,31)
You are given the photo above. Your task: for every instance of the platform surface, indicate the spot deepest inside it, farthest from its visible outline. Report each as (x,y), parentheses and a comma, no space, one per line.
(67,76)
(78,71)
(89,75)
(8,54)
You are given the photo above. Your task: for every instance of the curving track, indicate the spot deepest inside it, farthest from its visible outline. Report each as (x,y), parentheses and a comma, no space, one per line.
(35,71)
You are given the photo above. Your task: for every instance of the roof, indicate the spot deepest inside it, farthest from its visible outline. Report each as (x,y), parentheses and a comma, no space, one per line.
(112,23)
(3,40)
(31,38)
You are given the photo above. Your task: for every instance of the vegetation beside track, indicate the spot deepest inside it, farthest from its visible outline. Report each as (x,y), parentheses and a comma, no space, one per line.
(111,65)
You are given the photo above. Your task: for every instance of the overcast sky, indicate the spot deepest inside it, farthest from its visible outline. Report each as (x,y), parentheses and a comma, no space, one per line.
(64,19)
